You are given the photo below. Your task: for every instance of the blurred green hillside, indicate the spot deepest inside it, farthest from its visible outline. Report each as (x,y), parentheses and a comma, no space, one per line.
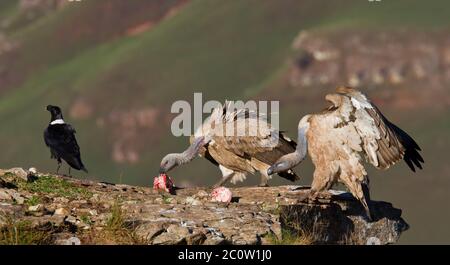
(115,67)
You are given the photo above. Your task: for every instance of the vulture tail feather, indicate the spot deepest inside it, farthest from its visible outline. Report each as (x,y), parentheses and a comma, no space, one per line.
(412,156)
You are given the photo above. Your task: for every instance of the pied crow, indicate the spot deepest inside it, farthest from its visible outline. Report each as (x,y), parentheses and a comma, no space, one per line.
(60,138)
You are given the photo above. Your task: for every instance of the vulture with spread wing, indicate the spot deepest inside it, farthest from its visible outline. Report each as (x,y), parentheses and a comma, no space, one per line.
(238,141)
(338,138)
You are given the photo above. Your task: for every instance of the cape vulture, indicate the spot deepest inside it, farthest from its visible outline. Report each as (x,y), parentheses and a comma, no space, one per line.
(238,141)
(338,138)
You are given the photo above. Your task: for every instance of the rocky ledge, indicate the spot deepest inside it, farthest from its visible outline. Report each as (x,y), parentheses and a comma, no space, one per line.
(38,208)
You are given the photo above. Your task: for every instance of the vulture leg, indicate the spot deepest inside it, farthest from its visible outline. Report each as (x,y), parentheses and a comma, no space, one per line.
(360,190)
(69,172)
(223,180)
(304,197)
(365,200)
(263,182)
(264,179)
(322,180)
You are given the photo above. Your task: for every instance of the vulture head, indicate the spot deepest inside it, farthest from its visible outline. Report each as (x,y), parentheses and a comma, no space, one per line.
(171,161)
(283,164)
(335,100)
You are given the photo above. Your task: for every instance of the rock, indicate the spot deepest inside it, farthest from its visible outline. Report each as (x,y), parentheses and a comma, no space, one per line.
(61,200)
(202,194)
(189,216)
(179,230)
(35,208)
(245,239)
(56,220)
(196,238)
(17,171)
(4,195)
(168,239)
(17,197)
(343,222)
(214,240)
(74,241)
(193,201)
(32,170)
(61,211)
(71,220)
(174,235)
(148,231)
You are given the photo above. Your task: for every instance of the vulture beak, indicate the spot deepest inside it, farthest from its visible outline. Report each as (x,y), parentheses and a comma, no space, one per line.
(162,170)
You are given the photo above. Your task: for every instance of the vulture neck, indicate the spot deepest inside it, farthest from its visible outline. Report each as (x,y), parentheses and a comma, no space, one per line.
(302,146)
(190,153)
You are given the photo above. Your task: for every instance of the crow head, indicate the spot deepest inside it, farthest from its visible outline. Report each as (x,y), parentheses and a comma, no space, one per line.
(55,111)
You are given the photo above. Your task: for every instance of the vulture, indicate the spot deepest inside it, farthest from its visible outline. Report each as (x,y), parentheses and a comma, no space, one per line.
(251,147)
(338,138)
(60,138)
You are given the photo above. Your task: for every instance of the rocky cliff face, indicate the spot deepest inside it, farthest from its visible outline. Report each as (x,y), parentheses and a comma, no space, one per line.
(38,208)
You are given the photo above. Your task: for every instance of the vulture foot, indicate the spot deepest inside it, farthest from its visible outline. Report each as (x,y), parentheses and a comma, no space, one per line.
(304,197)
(224,180)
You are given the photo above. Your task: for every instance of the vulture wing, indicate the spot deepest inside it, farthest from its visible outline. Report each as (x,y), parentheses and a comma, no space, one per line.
(383,143)
(253,138)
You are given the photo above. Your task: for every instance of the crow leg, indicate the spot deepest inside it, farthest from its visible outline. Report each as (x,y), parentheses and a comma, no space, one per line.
(58,167)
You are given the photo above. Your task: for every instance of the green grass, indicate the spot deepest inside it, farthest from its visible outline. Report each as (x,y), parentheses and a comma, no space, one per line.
(400,13)
(8,8)
(22,233)
(34,200)
(85,218)
(289,238)
(55,186)
(116,220)
(116,231)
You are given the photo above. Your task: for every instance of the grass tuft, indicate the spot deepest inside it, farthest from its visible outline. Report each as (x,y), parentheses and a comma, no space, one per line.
(22,233)
(34,200)
(290,238)
(116,231)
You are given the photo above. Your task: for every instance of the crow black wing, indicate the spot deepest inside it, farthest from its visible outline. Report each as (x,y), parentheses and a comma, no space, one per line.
(63,144)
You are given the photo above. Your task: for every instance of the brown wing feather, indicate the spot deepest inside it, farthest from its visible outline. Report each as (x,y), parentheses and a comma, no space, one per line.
(229,159)
(267,147)
(393,143)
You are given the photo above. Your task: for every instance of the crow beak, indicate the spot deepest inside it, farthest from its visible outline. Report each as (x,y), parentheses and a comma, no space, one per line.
(270,171)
